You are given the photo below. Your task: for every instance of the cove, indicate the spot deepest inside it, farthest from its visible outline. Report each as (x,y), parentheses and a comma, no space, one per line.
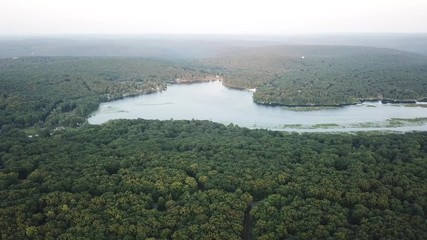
(215,102)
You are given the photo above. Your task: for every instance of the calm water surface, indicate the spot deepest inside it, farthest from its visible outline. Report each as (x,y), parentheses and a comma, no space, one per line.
(212,101)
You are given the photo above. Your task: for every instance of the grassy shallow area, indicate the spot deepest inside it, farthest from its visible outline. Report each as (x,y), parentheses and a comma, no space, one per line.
(308,109)
(366,126)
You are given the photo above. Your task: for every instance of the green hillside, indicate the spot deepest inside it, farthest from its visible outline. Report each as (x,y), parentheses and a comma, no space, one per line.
(324,75)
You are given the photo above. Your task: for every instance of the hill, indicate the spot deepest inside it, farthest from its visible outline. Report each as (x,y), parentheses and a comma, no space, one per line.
(323,75)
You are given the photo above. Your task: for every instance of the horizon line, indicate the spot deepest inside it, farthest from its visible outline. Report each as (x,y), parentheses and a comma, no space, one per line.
(209,34)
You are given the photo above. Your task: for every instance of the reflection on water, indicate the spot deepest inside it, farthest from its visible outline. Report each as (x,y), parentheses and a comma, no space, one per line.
(212,101)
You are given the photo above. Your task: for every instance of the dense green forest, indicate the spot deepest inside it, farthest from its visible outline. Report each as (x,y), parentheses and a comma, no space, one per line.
(202,180)
(324,75)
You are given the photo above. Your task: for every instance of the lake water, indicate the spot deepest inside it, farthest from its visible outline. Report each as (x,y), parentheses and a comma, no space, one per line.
(215,102)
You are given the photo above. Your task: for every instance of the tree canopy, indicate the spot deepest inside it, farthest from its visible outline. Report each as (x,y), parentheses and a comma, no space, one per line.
(200,180)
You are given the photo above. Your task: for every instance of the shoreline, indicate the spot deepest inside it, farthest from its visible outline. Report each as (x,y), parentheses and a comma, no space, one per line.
(207,79)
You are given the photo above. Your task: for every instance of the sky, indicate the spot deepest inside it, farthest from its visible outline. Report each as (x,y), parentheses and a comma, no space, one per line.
(41,17)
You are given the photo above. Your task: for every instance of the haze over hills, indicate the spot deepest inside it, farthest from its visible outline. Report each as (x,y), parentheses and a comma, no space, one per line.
(191,46)
(157,46)
(415,42)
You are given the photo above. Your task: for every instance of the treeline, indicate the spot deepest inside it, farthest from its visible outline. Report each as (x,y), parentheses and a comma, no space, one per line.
(324,75)
(145,179)
(45,92)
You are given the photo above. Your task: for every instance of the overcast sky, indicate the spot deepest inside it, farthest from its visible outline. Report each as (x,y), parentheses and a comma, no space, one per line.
(211,16)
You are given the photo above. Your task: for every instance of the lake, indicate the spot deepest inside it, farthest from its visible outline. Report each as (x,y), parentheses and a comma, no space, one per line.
(215,102)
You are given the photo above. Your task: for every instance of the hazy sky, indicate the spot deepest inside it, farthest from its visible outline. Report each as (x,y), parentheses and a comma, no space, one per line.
(211,16)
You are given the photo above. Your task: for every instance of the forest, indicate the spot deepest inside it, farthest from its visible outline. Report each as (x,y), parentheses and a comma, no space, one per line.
(62,178)
(324,75)
(150,179)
